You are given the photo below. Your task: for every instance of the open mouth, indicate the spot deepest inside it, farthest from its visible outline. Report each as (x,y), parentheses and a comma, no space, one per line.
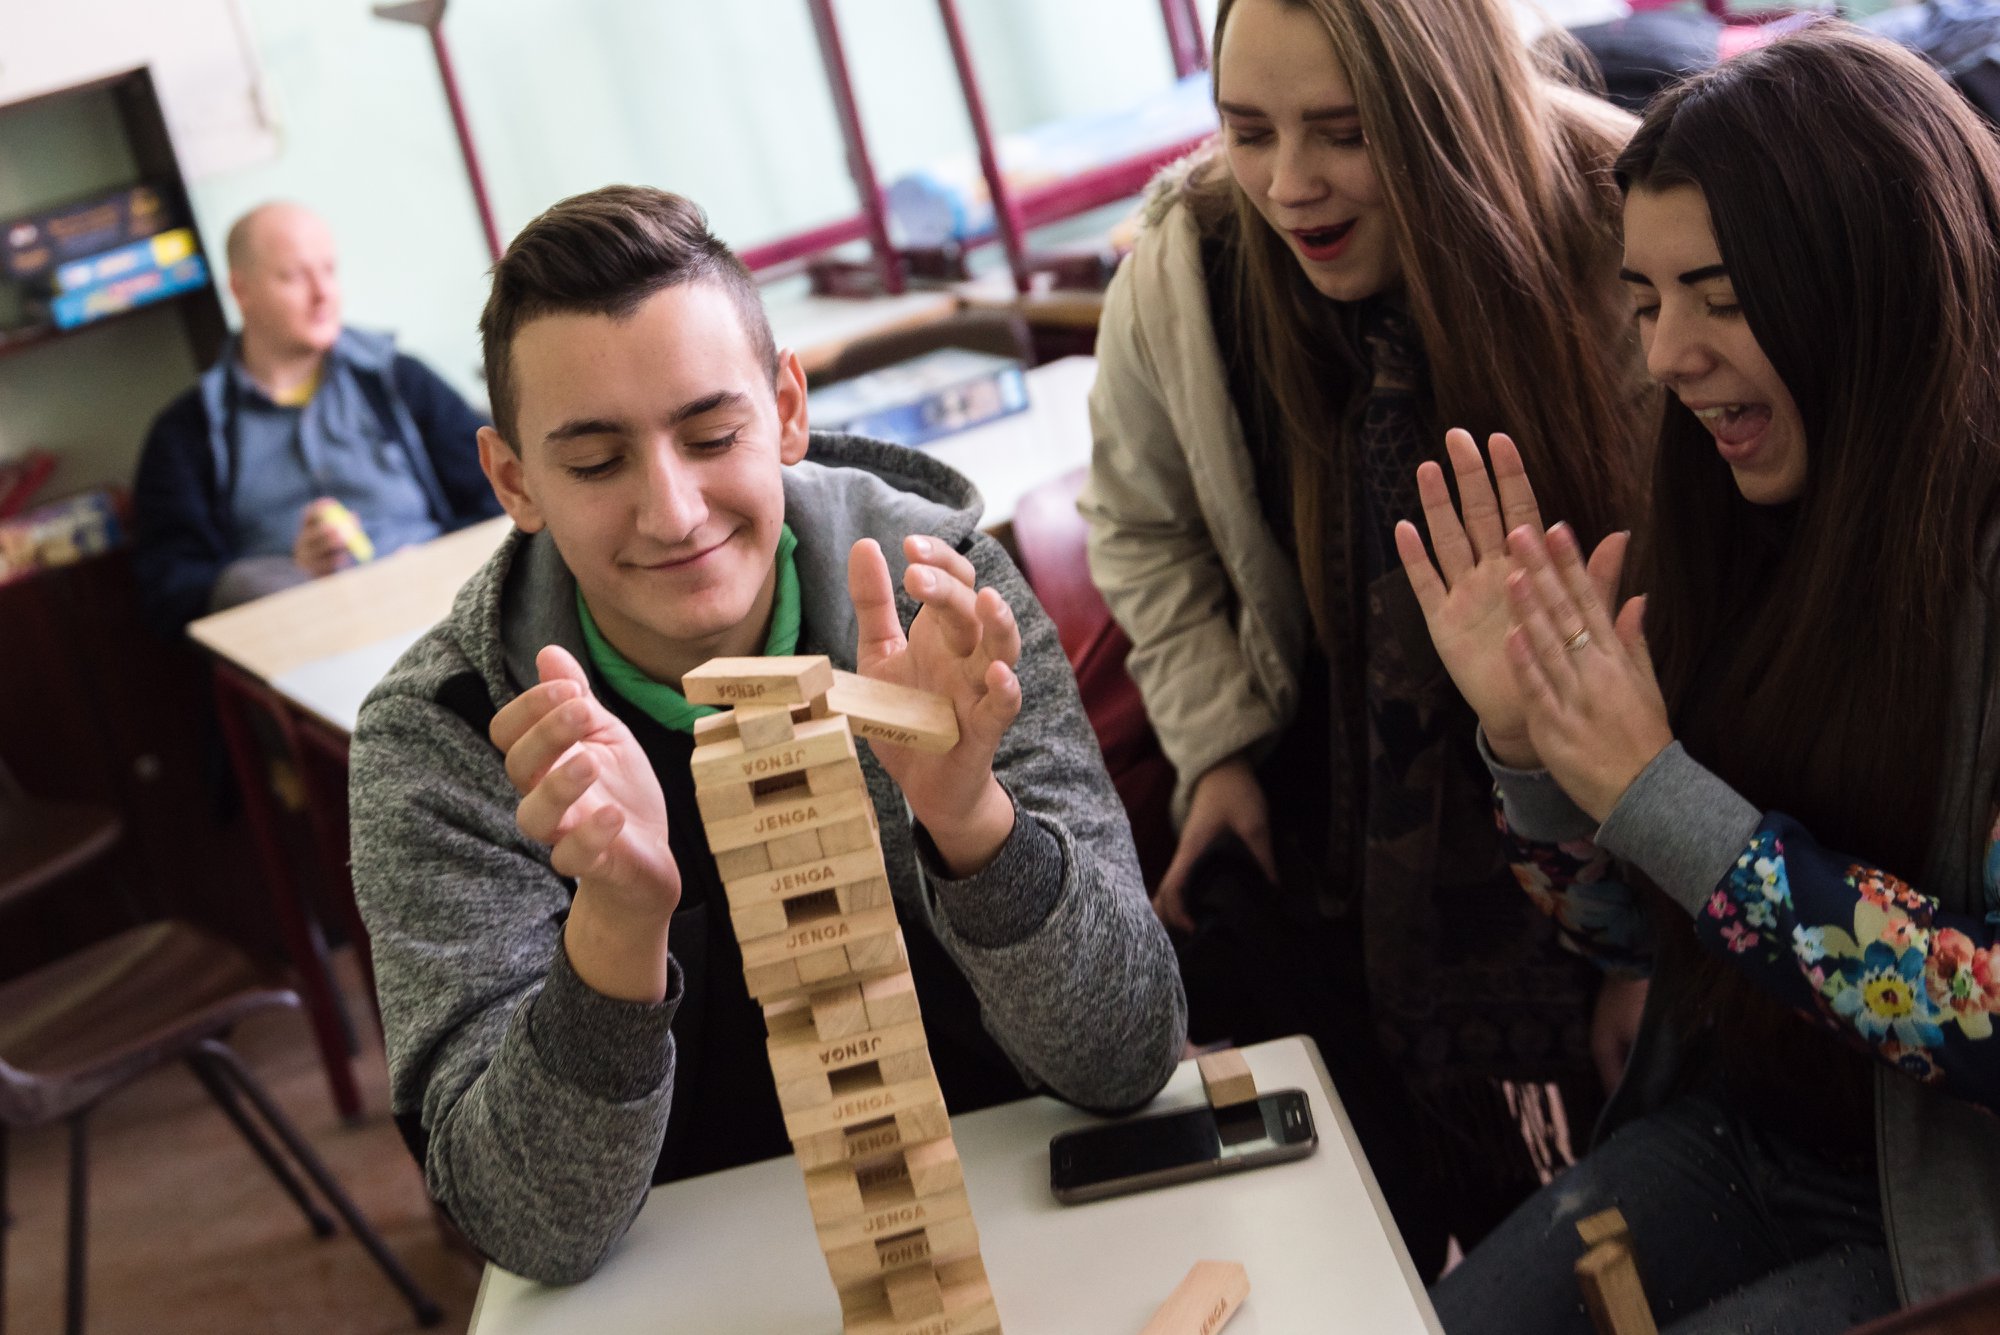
(1324,243)
(1735,425)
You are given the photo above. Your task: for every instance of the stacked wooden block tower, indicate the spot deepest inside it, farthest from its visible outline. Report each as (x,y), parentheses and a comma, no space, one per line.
(793,831)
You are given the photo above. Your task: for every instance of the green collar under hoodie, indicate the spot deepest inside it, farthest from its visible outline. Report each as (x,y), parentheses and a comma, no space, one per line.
(663,703)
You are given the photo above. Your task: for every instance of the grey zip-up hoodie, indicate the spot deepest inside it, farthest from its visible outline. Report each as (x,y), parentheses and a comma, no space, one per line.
(543,1104)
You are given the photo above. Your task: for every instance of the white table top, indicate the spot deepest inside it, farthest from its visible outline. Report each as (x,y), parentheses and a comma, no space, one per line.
(734,1253)
(325,644)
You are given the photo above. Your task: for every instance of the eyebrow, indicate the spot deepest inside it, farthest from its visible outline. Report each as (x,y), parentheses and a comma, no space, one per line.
(577,428)
(1689,279)
(1316,114)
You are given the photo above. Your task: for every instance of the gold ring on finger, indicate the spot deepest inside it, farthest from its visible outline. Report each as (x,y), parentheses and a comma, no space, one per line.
(1579,640)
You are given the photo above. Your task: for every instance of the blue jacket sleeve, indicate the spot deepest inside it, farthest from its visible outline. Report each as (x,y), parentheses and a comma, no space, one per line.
(450,430)
(180,539)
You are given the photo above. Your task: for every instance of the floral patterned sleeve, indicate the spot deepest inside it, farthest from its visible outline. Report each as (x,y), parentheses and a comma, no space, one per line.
(1866,954)
(1596,915)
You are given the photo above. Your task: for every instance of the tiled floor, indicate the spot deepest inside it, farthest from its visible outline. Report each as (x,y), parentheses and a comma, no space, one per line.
(187,1231)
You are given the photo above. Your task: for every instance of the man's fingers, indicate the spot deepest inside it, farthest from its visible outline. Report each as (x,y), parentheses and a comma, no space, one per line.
(997,708)
(1477,503)
(540,814)
(541,746)
(1517,497)
(999,632)
(525,710)
(931,552)
(879,631)
(949,599)
(1448,540)
(579,851)
(556,663)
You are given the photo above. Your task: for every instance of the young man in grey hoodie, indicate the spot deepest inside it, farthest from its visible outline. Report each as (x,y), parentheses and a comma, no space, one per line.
(563,995)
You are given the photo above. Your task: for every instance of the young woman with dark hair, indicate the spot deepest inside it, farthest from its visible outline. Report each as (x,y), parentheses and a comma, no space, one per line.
(1409,223)
(1803,1138)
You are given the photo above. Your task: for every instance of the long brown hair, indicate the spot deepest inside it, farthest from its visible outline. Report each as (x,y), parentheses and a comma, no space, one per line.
(1499,185)
(1806,655)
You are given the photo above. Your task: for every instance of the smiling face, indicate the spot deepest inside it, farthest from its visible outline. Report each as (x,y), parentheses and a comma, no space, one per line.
(1699,345)
(652,449)
(1295,146)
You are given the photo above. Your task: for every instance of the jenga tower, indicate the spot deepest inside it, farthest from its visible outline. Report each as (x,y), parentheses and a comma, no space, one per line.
(793,831)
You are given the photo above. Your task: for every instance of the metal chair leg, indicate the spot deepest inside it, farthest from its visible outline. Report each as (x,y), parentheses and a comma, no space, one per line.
(225,1099)
(227,1063)
(79,1200)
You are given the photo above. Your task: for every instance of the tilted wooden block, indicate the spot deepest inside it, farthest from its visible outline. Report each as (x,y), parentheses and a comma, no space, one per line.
(763,681)
(1604,1226)
(775,815)
(882,711)
(818,742)
(1608,1274)
(1202,1303)
(763,726)
(1226,1076)
(802,1092)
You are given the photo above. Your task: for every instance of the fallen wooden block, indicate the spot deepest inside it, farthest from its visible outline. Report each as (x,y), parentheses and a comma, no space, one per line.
(1203,1302)
(758,681)
(886,712)
(1609,1277)
(1226,1076)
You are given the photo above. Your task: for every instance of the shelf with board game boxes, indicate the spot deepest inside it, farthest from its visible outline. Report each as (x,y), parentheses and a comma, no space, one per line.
(789,818)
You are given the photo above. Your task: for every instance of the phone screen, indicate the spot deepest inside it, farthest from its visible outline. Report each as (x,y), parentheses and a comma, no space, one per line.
(1179,1145)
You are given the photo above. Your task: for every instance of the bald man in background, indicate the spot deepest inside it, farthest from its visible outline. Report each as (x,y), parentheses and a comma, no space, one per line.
(231,497)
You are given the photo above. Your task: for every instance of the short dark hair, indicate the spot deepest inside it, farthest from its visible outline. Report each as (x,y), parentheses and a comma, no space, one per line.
(603,253)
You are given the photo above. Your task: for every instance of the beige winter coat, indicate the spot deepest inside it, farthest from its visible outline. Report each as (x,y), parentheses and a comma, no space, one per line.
(1213,604)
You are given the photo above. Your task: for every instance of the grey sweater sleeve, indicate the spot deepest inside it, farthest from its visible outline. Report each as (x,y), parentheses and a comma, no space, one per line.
(506,1057)
(1682,825)
(1076,976)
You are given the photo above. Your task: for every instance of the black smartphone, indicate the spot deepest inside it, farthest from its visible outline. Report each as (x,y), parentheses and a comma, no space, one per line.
(1179,1146)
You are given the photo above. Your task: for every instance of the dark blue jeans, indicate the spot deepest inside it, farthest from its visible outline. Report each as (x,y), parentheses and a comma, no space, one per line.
(1734,1231)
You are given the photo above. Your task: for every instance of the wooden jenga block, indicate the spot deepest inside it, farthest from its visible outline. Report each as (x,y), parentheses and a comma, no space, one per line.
(808,878)
(968,1307)
(1604,1226)
(885,712)
(762,919)
(714,727)
(733,864)
(914,1292)
(818,742)
(759,681)
(812,936)
(891,1000)
(767,981)
(866,1105)
(802,1091)
(849,835)
(875,951)
(1611,1290)
(1226,1076)
(823,966)
(763,726)
(1202,1303)
(835,776)
(724,801)
(933,1166)
(772,816)
(797,1050)
(860,896)
(887,1220)
(912,1124)
(838,1013)
(789,850)
(947,1240)
(923,1121)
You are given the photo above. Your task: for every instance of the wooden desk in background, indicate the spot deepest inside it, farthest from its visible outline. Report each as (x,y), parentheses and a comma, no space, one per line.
(300,662)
